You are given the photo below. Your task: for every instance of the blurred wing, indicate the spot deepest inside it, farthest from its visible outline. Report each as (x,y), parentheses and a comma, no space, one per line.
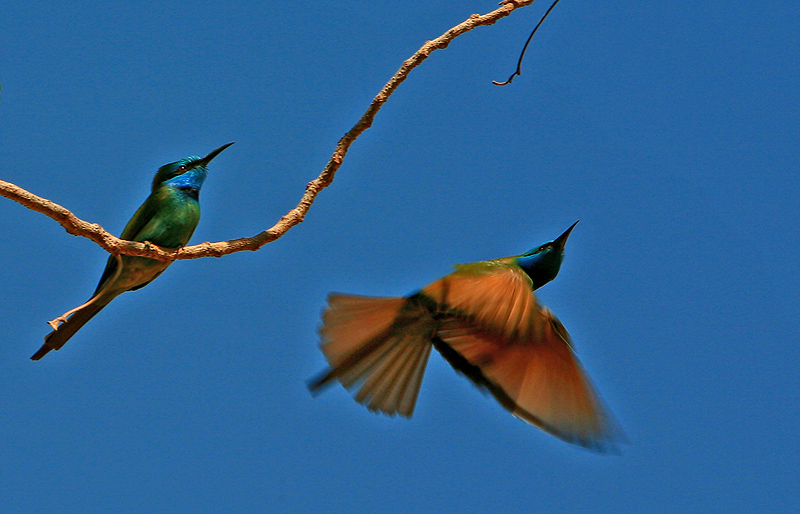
(378,347)
(537,378)
(495,295)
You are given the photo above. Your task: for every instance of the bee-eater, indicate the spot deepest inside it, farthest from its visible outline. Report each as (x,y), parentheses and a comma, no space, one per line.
(485,321)
(167,218)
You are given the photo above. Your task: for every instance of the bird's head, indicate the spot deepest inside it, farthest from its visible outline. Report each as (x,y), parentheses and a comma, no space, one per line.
(543,262)
(187,173)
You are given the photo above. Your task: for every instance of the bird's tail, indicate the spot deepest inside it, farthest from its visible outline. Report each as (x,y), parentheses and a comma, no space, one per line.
(56,339)
(378,347)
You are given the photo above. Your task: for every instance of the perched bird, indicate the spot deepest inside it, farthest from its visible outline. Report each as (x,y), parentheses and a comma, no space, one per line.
(167,218)
(485,321)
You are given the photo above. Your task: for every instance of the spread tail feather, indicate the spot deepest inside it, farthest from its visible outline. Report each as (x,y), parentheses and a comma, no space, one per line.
(379,347)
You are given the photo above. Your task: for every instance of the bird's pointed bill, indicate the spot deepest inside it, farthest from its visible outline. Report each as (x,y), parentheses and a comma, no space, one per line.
(208,158)
(561,240)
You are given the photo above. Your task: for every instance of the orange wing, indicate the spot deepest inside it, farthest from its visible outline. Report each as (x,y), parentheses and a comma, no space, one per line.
(496,295)
(379,347)
(494,332)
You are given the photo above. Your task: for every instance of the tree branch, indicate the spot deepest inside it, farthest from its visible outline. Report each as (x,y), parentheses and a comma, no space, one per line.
(116,246)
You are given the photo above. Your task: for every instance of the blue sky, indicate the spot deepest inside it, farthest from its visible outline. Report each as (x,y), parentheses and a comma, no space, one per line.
(671,131)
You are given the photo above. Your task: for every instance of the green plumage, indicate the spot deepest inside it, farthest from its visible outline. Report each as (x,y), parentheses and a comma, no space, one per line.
(167,218)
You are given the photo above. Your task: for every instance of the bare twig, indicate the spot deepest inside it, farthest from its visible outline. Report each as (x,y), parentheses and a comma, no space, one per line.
(116,246)
(522,54)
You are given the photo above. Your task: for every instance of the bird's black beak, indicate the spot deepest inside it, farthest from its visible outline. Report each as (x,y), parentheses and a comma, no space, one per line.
(205,160)
(561,240)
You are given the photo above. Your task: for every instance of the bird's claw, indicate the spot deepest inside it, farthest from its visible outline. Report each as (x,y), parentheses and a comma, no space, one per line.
(56,322)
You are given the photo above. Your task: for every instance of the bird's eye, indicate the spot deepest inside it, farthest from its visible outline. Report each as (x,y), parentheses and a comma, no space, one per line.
(182,168)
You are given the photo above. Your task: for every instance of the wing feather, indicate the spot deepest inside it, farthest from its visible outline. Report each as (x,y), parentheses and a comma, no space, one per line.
(485,320)
(496,296)
(539,380)
(519,351)
(379,348)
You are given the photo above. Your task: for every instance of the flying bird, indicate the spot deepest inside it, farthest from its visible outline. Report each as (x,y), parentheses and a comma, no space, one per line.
(167,218)
(485,321)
